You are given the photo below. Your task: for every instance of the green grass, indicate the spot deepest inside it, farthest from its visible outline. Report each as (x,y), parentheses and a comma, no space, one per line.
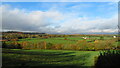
(50,58)
(49,40)
(71,38)
(44,58)
(59,40)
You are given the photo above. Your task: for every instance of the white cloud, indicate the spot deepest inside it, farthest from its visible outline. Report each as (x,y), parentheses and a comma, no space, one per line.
(88,26)
(22,20)
(54,22)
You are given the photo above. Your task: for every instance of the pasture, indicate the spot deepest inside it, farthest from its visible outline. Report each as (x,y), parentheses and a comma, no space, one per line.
(57,52)
(62,40)
(48,58)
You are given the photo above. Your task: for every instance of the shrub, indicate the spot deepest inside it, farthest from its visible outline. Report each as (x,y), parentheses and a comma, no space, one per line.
(82,44)
(12,45)
(65,38)
(49,45)
(74,47)
(108,59)
(29,45)
(101,38)
(58,46)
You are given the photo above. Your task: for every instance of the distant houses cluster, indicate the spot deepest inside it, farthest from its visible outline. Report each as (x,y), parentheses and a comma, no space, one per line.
(89,38)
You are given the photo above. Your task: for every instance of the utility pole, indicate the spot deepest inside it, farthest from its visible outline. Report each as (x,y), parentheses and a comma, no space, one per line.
(102,37)
(102,31)
(118,29)
(118,33)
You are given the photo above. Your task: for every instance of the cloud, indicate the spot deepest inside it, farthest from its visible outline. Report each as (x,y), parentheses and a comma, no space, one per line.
(16,19)
(83,25)
(53,21)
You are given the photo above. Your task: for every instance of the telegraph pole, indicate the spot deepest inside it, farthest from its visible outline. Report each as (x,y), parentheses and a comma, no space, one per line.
(118,29)
(118,33)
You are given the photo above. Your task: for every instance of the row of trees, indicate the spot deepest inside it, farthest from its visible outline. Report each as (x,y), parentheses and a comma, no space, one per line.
(80,45)
(17,36)
(22,36)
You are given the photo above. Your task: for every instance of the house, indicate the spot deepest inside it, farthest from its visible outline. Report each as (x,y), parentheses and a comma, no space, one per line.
(84,37)
(114,37)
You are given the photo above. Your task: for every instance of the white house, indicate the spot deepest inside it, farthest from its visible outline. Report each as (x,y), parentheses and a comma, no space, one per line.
(84,37)
(114,37)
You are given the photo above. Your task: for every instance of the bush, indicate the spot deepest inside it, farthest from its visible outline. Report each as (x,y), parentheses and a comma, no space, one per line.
(58,46)
(13,45)
(29,45)
(49,45)
(101,38)
(108,59)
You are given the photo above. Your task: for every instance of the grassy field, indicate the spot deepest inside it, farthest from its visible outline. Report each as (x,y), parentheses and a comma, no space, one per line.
(48,58)
(60,40)
(53,58)
(49,40)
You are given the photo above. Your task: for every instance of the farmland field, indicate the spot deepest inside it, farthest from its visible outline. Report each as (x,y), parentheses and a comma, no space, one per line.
(70,40)
(57,52)
(58,34)
(48,58)
(51,40)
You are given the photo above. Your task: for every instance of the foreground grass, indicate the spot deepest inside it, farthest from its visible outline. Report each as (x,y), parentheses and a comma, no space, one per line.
(48,58)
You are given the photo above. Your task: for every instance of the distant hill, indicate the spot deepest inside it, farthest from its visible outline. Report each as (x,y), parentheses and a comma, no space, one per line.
(18,32)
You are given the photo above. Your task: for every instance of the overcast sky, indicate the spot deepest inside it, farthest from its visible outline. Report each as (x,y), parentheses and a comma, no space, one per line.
(60,17)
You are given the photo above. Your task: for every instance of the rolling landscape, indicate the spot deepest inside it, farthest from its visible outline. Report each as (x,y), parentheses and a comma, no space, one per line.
(60,35)
(48,50)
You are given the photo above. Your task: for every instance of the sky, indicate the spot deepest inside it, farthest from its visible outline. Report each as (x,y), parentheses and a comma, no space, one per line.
(60,17)
(60,0)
